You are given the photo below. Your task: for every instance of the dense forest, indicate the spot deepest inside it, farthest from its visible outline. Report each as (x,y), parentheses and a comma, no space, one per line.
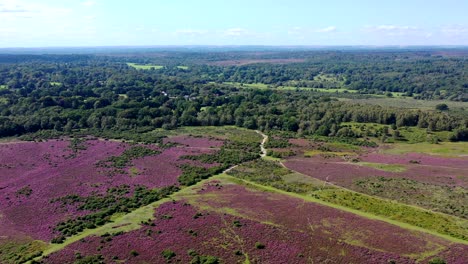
(66,93)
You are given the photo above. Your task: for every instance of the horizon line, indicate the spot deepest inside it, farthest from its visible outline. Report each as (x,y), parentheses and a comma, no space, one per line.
(238,46)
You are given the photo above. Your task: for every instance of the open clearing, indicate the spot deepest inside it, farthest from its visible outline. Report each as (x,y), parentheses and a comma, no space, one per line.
(145,67)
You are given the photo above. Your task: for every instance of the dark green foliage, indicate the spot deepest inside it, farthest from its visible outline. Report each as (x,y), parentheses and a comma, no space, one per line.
(192,174)
(127,156)
(95,259)
(274,142)
(204,260)
(192,253)
(437,261)
(442,107)
(76,145)
(168,254)
(236,223)
(460,134)
(259,245)
(25,191)
(13,252)
(234,152)
(225,156)
(102,96)
(105,206)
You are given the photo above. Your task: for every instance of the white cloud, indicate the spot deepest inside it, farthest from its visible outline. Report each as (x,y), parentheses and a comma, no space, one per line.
(89,18)
(389,28)
(191,32)
(326,29)
(392,30)
(455,30)
(236,32)
(12,6)
(89,3)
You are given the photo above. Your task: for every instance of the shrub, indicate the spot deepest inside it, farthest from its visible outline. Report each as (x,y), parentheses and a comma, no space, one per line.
(442,107)
(168,254)
(437,261)
(236,223)
(259,245)
(204,260)
(192,253)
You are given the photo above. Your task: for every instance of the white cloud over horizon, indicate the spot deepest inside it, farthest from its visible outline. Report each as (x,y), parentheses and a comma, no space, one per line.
(106,22)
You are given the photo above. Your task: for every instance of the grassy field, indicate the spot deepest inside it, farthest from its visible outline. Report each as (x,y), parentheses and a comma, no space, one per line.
(311,153)
(145,67)
(447,149)
(263,86)
(183,67)
(408,102)
(55,83)
(383,167)
(3,87)
(445,199)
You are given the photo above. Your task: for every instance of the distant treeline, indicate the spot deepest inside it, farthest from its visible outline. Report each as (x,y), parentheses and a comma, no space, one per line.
(70,92)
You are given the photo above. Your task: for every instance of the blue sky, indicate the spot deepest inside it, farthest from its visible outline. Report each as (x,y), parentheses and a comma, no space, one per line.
(44,23)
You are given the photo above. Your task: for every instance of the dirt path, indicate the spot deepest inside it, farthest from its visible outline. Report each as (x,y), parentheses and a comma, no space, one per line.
(262,145)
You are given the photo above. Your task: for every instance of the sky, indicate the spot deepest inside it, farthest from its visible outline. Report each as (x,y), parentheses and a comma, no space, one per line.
(62,23)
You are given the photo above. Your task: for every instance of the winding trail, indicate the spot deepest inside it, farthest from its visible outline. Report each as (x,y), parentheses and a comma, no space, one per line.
(262,145)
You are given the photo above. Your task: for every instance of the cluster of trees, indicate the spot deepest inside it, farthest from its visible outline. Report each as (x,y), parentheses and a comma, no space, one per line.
(74,92)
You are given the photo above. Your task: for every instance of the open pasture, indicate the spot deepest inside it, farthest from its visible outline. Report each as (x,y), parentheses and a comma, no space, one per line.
(145,67)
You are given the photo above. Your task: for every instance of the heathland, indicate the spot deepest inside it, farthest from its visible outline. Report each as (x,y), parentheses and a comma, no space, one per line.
(235,157)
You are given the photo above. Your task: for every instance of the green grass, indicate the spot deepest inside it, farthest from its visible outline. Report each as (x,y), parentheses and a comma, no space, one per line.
(263,86)
(446,149)
(260,86)
(271,158)
(3,87)
(333,90)
(383,167)
(183,67)
(408,102)
(311,153)
(145,67)
(445,199)
(55,83)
